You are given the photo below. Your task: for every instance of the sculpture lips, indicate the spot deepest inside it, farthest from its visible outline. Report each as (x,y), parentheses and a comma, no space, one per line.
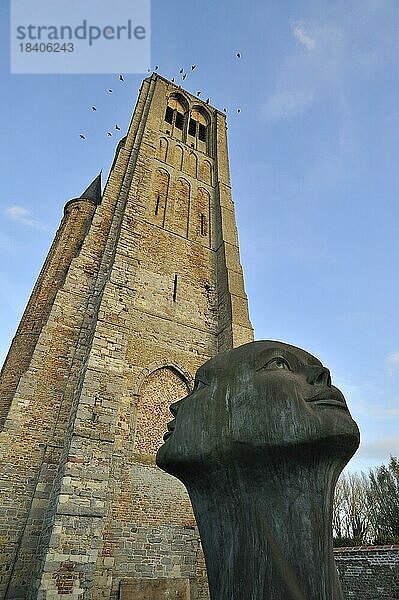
(329,397)
(330,402)
(171,428)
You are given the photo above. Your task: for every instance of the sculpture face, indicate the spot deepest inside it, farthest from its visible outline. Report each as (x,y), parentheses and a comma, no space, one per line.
(256,402)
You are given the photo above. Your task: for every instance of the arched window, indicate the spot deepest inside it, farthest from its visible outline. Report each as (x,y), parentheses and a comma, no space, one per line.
(158,391)
(191,166)
(199,227)
(205,171)
(163,149)
(175,115)
(198,129)
(182,202)
(156,209)
(178,157)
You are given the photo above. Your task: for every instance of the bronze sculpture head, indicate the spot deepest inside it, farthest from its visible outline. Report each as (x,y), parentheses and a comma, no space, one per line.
(259,444)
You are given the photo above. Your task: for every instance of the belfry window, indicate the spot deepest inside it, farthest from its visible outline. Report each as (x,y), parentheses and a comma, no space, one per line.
(198,127)
(179,120)
(175,115)
(169,115)
(192,127)
(202,132)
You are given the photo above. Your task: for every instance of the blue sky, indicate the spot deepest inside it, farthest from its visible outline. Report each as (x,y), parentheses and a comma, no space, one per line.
(314,164)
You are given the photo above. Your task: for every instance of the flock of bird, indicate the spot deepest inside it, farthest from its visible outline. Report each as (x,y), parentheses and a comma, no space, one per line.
(183,76)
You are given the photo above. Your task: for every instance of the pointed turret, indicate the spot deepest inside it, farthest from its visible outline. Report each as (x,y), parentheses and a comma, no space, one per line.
(93,192)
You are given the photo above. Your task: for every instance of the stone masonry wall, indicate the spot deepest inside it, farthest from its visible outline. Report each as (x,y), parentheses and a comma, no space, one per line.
(369,573)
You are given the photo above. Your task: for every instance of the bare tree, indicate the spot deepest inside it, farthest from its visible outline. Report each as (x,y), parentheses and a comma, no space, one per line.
(383,501)
(351,520)
(338,516)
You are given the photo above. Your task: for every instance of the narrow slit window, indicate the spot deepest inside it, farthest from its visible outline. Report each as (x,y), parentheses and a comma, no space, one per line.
(175,289)
(169,115)
(203,225)
(192,127)
(157,205)
(202,132)
(179,120)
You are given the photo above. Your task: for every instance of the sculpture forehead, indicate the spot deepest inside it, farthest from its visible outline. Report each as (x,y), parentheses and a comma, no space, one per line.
(249,354)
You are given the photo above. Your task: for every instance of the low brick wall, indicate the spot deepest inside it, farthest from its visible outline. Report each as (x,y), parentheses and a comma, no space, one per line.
(369,572)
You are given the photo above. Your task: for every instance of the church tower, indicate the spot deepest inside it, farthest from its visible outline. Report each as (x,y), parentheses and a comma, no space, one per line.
(141,286)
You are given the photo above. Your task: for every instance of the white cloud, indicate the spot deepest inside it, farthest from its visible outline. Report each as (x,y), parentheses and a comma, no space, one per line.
(304,78)
(380,449)
(285,105)
(23,215)
(303,37)
(385,412)
(392,363)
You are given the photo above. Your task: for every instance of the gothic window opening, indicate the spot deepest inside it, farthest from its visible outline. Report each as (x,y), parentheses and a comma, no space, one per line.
(202,132)
(198,128)
(157,205)
(192,127)
(175,115)
(169,115)
(179,120)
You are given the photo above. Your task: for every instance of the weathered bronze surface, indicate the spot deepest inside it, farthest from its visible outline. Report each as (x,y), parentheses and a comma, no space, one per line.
(259,444)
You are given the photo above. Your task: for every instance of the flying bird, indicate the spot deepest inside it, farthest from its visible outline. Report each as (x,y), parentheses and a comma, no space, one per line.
(173,80)
(184,76)
(148,70)
(181,71)
(121,78)
(198,93)
(208,100)
(225,110)
(193,67)
(156,68)
(238,110)
(109,134)
(82,136)
(93,108)
(118,128)
(238,55)
(110,91)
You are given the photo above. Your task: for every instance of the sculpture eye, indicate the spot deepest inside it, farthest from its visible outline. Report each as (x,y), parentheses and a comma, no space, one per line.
(278,363)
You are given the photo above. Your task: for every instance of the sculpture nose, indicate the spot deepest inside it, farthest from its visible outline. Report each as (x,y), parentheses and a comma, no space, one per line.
(318,376)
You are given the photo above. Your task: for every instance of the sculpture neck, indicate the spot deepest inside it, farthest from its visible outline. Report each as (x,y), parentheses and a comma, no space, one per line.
(266,531)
